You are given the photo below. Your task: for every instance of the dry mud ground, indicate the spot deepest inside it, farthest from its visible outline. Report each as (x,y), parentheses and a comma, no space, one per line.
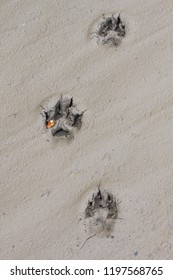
(126,140)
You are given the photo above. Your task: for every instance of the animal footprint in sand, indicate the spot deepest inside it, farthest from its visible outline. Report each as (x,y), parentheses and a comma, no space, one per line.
(110,30)
(62,117)
(101,212)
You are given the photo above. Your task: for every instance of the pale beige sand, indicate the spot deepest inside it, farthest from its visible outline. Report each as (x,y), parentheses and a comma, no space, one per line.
(126,140)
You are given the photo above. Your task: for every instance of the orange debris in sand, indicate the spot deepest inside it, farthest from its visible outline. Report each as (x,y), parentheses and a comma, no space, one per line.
(50,123)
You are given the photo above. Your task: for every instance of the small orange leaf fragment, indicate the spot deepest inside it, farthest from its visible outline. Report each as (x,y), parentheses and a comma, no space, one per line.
(50,123)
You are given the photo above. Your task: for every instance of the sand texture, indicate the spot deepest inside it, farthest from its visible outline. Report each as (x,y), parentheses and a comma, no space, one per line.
(125,143)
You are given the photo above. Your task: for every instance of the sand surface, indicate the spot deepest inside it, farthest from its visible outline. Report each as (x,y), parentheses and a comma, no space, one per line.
(126,140)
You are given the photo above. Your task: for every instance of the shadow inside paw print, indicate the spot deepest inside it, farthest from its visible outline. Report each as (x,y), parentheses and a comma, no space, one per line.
(101,213)
(111,30)
(62,117)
